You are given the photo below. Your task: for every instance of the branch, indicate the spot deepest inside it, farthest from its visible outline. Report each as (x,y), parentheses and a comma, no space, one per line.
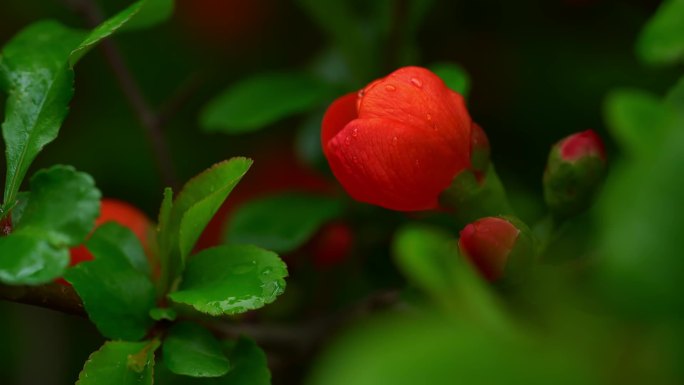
(55,296)
(149,120)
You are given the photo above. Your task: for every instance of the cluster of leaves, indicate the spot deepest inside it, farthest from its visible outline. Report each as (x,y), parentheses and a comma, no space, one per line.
(131,297)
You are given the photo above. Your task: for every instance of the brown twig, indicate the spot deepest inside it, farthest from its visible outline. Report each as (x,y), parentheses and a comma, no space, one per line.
(149,120)
(55,296)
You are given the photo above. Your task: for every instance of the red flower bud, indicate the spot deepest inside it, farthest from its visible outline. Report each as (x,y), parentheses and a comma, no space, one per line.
(581,144)
(400,141)
(495,245)
(574,169)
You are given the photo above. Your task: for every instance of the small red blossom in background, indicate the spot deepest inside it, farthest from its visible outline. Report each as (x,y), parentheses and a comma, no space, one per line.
(332,245)
(487,243)
(399,142)
(113,210)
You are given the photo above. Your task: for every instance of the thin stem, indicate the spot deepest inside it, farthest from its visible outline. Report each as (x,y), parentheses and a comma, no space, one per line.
(148,119)
(55,296)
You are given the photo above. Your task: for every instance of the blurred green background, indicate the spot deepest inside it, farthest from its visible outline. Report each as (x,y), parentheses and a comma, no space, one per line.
(539,70)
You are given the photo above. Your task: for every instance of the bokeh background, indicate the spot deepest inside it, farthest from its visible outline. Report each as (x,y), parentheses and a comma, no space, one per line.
(539,70)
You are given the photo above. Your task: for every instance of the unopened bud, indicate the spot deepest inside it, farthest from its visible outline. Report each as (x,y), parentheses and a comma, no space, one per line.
(574,170)
(498,246)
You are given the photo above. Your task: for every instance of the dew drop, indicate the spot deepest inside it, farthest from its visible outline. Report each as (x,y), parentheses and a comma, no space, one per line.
(347,140)
(395,140)
(416,82)
(428,117)
(417,163)
(361,93)
(355,132)
(390,88)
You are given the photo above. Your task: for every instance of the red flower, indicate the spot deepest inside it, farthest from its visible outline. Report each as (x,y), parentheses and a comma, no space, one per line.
(400,141)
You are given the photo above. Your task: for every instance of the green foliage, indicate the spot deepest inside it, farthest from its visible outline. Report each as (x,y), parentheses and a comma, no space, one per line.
(662,40)
(639,121)
(36,70)
(256,102)
(454,76)
(429,258)
(231,279)
(152,12)
(641,217)
(39,86)
(191,350)
(116,294)
(58,213)
(120,363)
(248,363)
(182,222)
(163,313)
(283,222)
(248,366)
(433,349)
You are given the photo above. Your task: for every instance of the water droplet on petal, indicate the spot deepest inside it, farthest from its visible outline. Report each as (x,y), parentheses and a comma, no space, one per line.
(355,132)
(416,82)
(347,140)
(361,93)
(428,117)
(395,140)
(390,88)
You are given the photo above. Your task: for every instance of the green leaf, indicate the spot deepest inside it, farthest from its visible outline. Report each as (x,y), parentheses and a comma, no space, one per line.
(153,12)
(259,101)
(192,350)
(638,120)
(231,279)
(163,313)
(63,202)
(662,40)
(248,366)
(641,220)
(192,210)
(28,258)
(120,363)
(128,242)
(40,86)
(454,76)
(36,70)
(59,213)
(117,296)
(429,348)
(283,222)
(429,258)
(248,363)
(675,97)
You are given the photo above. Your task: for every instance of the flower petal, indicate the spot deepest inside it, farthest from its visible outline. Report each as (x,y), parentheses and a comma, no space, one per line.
(393,165)
(340,112)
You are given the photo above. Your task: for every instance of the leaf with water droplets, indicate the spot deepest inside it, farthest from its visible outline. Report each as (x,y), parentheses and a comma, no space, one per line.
(120,363)
(231,279)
